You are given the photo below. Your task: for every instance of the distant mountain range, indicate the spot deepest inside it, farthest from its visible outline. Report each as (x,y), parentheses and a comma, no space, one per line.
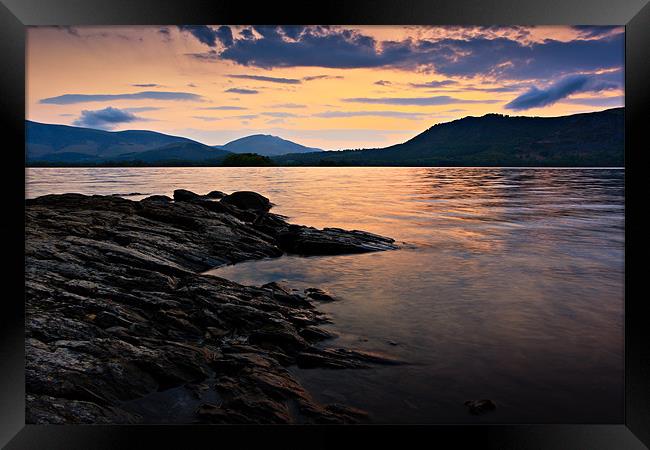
(266,145)
(589,139)
(63,145)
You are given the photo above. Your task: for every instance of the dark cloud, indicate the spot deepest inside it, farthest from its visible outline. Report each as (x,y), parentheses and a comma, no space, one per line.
(591,31)
(145,85)
(415,101)
(382,83)
(67,99)
(224,35)
(605,102)
(496,57)
(241,91)
(269,79)
(393,114)
(433,84)
(323,77)
(203,33)
(536,97)
(106,118)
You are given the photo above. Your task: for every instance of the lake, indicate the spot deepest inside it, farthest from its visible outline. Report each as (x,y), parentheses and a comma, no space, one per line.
(509,284)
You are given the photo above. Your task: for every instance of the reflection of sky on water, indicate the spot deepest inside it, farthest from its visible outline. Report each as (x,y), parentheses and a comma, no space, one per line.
(512,289)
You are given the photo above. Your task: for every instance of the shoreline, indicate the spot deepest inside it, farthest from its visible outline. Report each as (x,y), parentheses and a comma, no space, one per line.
(118,310)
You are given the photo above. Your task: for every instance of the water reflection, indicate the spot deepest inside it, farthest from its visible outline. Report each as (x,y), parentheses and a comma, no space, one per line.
(513,289)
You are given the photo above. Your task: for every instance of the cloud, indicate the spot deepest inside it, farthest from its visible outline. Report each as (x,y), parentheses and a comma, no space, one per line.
(106,118)
(207,118)
(68,99)
(536,97)
(279,114)
(323,77)
(209,35)
(288,105)
(433,84)
(382,83)
(591,31)
(137,109)
(415,101)
(269,79)
(224,108)
(393,114)
(491,55)
(241,91)
(145,85)
(606,102)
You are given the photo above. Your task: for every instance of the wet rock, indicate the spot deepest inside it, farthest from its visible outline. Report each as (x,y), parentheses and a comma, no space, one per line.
(157,198)
(318,295)
(341,359)
(248,200)
(309,241)
(479,407)
(117,310)
(215,195)
(182,195)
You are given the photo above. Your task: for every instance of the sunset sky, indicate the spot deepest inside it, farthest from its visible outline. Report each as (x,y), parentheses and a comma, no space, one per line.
(328,87)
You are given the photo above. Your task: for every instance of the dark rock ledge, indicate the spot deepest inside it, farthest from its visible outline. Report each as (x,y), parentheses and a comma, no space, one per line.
(117,311)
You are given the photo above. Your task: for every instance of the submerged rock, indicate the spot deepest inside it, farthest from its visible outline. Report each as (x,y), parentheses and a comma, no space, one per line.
(478,407)
(318,295)
(116,309)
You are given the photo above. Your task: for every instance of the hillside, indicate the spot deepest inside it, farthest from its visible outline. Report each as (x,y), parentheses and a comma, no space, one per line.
(590,139)
(266,145)
(178,151)
(63,143)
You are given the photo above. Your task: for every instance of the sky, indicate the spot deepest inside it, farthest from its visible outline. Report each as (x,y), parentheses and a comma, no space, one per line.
(331,87)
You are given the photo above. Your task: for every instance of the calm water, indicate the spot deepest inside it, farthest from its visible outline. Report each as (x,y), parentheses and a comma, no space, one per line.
(510,286)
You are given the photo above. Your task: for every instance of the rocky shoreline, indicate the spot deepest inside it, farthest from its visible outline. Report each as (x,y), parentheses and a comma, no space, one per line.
(118,313)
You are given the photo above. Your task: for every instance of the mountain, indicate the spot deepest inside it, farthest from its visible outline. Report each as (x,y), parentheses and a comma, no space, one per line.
(176,151)
(62,143)
(266,145)
(589,139)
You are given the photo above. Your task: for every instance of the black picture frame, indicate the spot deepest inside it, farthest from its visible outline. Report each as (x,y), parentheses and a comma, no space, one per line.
(15,15)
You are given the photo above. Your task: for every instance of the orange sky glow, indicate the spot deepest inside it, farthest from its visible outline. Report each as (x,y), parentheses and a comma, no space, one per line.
(328,87)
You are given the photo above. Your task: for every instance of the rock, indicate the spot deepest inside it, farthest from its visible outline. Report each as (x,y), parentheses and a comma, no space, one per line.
(478,407)
(117,310)
(157,198)
(248,200)
(182,195)
(318,295)
(309,241)
(341,359)
(215,195)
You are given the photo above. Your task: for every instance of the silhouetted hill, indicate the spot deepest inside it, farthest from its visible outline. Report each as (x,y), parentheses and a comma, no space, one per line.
(265,145)
(177,151)
(62,143)
(590,139)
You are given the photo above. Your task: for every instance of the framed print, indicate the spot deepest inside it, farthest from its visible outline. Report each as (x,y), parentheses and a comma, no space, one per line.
(368,220)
